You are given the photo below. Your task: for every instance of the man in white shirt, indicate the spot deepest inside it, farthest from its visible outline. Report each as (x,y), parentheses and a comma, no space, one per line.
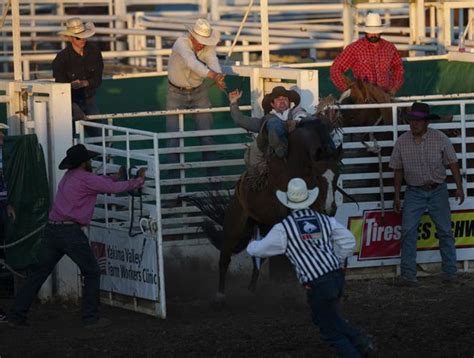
(317,246)
(193,59)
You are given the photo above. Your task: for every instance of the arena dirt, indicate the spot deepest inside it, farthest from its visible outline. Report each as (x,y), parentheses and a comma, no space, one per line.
(434,320)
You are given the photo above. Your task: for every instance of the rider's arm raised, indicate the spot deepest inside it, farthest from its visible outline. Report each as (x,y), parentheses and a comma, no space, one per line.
(251,124)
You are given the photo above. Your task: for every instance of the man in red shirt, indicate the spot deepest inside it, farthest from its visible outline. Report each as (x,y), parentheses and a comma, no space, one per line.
(371,59)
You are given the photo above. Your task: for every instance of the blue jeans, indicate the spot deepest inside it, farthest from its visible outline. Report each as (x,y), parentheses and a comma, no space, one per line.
(192,99)
(275,124)
(86,107)
(323,296)
(416,202)
(62,240)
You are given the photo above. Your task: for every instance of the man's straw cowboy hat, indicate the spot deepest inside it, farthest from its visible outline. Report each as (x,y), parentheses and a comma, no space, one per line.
(373,24)
(75,27)
(298,196)
(203,32)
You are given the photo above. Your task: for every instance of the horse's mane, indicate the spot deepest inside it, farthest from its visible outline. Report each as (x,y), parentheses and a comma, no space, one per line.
(364,92)
(319,128)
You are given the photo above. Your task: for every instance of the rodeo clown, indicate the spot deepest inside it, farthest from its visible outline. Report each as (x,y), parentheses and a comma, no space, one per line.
(317,246)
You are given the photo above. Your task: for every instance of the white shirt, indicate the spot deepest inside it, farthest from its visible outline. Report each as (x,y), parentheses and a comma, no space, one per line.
(187,68)
(276,241)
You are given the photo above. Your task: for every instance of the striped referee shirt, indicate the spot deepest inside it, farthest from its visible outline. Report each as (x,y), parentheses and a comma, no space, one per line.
(314,243)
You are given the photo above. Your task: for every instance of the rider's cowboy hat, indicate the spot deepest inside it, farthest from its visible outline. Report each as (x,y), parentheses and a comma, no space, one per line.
(419,110)
(203,32)
(373,24)
(75,156)
(3,126)
(278,91)
(298,196)
(75,27)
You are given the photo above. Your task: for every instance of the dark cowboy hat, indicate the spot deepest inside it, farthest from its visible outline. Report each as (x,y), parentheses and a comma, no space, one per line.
(419,110)
(278,91)
(76,155)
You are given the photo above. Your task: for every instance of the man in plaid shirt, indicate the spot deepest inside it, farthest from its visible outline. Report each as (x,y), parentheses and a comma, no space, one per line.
(420,156)
(371,59)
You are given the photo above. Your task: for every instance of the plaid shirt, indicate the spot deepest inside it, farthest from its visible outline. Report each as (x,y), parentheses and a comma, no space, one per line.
(425,162)
(379,64)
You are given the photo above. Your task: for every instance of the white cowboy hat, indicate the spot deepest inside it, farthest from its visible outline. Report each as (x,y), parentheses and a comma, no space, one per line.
(298,196)
(3,126)
(203,32)
(373,24)
(75,27)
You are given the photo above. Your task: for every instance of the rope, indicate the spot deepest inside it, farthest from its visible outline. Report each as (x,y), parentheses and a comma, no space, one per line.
(6,7)
(9,268)
(23,238)
(375,148)
(249,7)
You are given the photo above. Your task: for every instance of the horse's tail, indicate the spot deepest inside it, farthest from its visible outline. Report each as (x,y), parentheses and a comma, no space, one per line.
(212,204)
(214,234)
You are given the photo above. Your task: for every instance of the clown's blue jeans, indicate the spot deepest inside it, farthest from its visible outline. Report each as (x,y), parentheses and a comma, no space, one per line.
(436,202)
(323,296)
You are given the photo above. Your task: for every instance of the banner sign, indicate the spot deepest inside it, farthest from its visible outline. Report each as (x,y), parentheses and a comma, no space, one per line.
(128,265)
(380,238)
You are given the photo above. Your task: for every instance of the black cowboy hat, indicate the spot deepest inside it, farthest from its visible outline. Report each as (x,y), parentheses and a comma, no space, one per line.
(76,155)
(419,110)
(278,91)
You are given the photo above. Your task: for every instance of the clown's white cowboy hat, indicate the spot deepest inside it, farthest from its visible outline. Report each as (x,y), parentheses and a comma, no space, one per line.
(203,32)
(373,24)
(298,196)
(3,126)
(75,27)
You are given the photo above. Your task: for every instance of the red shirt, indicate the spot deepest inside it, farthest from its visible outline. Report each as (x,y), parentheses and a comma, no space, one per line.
(376,63)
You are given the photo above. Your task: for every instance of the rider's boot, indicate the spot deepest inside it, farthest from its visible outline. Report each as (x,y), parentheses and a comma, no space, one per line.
(279,146)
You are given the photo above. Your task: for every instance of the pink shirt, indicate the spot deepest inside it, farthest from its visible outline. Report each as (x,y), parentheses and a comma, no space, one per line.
(379,64)
(77,194)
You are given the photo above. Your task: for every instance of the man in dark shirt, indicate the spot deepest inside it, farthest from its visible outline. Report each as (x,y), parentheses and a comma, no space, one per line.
(81,65)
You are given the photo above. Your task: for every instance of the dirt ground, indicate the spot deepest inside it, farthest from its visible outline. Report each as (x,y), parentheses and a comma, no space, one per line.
(434,320)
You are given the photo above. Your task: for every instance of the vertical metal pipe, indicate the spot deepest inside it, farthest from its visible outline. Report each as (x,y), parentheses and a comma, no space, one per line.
(347,22)
(159,234)
(16,38)
(265,34)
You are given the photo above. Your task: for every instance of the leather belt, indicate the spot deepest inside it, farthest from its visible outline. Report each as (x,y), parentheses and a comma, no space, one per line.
(428,187)
(187,89)
(64,222)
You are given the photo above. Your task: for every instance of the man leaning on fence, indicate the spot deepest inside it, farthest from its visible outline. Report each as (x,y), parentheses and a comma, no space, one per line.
(420,156)
(72,209)
(193,59)
(81,65)
(371,59)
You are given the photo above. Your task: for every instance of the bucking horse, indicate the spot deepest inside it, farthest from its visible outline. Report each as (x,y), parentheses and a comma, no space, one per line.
(311,156)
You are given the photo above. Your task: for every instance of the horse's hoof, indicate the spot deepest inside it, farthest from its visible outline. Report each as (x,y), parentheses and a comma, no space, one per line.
(220,297)
(219,300)
(252,288)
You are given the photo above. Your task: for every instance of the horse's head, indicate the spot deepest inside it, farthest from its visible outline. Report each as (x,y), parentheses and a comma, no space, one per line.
(320,159)
(361,92)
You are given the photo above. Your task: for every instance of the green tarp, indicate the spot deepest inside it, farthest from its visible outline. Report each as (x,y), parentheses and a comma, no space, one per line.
(28,193)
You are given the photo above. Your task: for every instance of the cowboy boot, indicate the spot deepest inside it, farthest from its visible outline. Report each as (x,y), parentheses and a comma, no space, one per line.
(277,144)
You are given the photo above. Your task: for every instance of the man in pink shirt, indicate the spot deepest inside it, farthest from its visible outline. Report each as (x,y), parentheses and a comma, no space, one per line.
(371,59)
(72,208)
